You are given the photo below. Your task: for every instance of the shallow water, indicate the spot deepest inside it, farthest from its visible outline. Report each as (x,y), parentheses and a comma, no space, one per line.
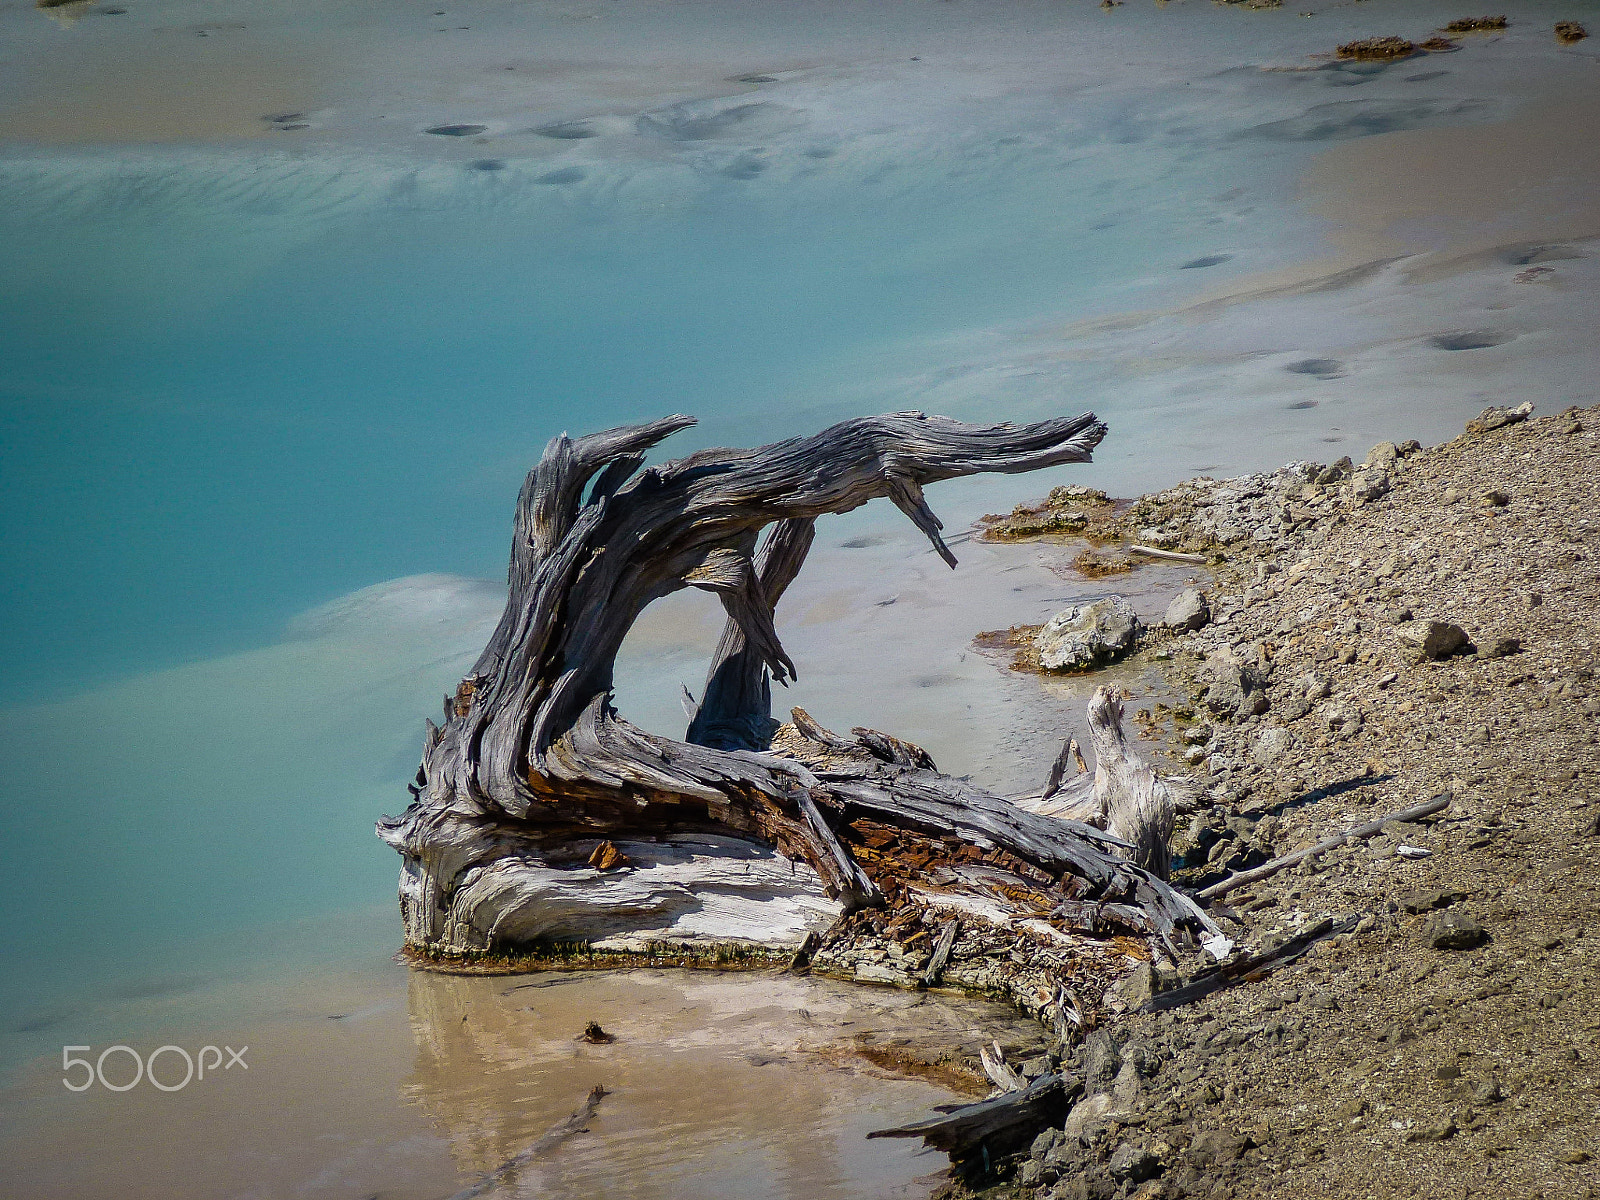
(274,358)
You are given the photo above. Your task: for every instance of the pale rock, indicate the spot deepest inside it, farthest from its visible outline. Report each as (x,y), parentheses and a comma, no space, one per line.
(1087,635)
(1270,745)
(1189,611)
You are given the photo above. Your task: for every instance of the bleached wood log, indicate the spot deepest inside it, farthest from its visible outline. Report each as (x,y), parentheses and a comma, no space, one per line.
(1169,555)
(1126,796)
(533,767)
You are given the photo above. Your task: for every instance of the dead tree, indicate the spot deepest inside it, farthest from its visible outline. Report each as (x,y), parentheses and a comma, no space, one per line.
(540,816)
(1125,795)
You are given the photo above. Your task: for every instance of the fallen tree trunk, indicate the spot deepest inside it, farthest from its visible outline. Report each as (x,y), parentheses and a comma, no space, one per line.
(540,817)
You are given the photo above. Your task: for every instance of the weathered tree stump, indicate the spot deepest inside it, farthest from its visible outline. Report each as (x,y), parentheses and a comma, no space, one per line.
(540,817)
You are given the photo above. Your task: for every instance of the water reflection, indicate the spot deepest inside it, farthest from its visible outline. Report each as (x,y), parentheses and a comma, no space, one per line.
(719,1085)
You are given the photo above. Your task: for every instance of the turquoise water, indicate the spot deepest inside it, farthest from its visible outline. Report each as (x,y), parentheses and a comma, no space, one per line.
(242,378)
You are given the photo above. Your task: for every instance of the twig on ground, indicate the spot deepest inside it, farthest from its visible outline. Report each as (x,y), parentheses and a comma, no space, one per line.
(1273,866)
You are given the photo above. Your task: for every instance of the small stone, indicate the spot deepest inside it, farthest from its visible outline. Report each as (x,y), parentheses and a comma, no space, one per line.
(1271,745)
(1437,1131)
(1133,1163)
(1575,1157)
(1453,931)
(1502,647)
(1369,485)
(1434,639)
(1451,495)
(1495,498)
(1383,455)
(1188,612)
(1448,1071)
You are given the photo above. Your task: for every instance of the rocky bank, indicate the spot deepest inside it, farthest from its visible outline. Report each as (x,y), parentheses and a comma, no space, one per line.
(1371,636)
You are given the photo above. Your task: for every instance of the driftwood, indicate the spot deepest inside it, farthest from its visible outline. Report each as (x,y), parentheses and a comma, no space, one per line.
(744,833)
(1125,796)
(1198,560)
(1370,829)
(1252,967)
(551,1138)
(974,1134)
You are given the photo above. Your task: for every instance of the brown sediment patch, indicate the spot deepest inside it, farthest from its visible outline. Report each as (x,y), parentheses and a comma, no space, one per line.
(170,90)
(1440,45)
(1475,24)
(903,1062)
(1092,565)
(1378,48)
(1016,641)
(1067,511)
(1568,32)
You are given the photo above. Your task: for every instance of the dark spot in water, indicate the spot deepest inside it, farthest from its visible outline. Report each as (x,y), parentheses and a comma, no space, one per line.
(820,152)
(1320,368)
(755,79)
(287,126)
(38,1023)
(1346,119)
(1469,339)
(113,12)
(746,166)
(862,541)
(569,131)
(1302,404)
(564,175)
(1331,439)
(488,164)
(281,118)
(928,681)
(1205,260)
(1525,255)
(457,130)
(1425,76)
(145,989)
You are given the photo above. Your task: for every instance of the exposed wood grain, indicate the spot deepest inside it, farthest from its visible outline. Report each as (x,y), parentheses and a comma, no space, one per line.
(533,768)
